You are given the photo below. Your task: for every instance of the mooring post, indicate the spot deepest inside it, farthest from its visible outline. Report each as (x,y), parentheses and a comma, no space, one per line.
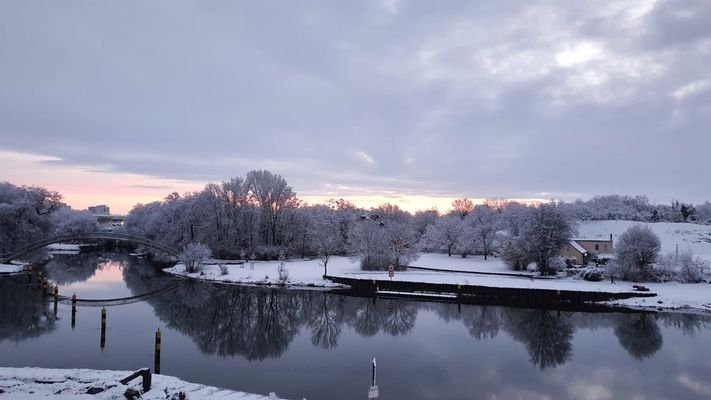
(374,367)
(373,391)
(56,298)
(102,342)
(29,275)
(156,359)
(74,310)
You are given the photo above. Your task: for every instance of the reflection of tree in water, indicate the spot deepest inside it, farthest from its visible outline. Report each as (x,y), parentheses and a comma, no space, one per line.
(24,313)
(639,334)
(546,335)
(259,323)
(325,320)
(483,322)
(688,324)
(394,317)
(364,317)
(68,269)
(400,317)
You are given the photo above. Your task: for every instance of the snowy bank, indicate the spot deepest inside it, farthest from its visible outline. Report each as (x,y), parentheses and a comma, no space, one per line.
(12,268)
(308,274)
(35,383)
(301,273)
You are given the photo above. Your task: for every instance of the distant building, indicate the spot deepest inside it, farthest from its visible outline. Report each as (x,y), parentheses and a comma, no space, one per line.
(100,210)
(580,251)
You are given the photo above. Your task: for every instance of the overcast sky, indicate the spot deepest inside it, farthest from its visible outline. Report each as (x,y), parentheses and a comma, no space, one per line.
(391,98)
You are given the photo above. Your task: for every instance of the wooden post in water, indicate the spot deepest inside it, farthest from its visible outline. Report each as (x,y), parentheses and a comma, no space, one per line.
(156,358)
(74,310)
(29,275)
(56,298)
(102,341)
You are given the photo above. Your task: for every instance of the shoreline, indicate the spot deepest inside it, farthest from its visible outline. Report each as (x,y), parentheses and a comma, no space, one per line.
(60,383)
(306,275)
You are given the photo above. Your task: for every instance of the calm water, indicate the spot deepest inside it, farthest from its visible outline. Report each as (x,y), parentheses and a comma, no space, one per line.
(319,346)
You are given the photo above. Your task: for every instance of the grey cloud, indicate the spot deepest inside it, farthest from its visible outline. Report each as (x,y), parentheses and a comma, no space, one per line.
(445,99)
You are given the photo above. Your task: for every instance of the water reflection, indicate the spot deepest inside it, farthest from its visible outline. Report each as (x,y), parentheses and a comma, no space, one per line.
(24,314)
(639,335)
(261,323)
(69,269)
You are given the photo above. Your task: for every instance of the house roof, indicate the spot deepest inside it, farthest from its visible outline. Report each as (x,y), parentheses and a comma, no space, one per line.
(577,247)
(591,240)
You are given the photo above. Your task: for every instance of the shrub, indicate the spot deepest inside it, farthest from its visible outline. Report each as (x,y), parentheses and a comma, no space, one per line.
(223,269)
(193,255)
(637,247)
(593,274)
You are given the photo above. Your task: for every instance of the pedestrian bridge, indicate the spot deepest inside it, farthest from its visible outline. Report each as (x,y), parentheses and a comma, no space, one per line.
(149,243)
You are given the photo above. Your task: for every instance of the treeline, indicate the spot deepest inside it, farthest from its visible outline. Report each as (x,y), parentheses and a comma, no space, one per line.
(637,208)
(259,217)
(29,213)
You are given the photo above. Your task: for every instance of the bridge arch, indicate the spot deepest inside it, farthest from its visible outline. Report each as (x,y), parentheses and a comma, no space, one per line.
(151,244)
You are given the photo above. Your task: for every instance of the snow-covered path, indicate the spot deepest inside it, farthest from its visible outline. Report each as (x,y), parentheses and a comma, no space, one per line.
(40,383)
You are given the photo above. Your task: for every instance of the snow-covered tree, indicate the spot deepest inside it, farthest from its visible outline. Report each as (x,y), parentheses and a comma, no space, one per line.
(193,255)
(547,230)
(444,234)
(325,234)
(26,214)
(485,224)
(70,222)
(367,242)
(515,253)
(273,194)
(462,207)
(638,247)
(401,243)
(385,236)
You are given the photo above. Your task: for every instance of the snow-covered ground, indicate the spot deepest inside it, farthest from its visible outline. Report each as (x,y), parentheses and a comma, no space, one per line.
(36,383)
(11,268)
(694,237)
(63,248)
(470,263)
(302,273)
(307,273)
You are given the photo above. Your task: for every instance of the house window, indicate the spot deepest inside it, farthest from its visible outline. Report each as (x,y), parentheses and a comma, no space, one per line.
(597,247)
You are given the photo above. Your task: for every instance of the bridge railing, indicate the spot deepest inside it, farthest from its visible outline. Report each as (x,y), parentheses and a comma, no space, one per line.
(153,244)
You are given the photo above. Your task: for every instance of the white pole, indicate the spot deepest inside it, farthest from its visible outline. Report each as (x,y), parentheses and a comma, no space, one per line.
(374,366)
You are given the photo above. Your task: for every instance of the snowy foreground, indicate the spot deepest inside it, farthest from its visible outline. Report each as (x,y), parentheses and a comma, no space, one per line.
(35,383)
(308,274)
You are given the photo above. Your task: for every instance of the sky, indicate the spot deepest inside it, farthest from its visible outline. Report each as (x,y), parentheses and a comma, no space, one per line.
(411,102)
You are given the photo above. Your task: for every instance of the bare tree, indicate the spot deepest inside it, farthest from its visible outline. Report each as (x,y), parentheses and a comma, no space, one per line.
(273,194)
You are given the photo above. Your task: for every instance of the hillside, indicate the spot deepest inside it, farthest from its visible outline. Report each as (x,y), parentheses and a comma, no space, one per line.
(694,237)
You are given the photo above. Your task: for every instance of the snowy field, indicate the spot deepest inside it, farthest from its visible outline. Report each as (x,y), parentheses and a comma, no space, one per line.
(694,237)
(38,383)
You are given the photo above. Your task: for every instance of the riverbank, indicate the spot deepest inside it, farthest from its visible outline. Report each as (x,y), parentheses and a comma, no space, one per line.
(36,383)
(12,268)
(472,271)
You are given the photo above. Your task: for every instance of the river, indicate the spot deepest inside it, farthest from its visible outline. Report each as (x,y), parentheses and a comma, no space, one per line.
(317,345)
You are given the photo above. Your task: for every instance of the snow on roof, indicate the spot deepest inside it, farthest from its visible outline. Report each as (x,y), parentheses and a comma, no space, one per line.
(591,240)
(577,247)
